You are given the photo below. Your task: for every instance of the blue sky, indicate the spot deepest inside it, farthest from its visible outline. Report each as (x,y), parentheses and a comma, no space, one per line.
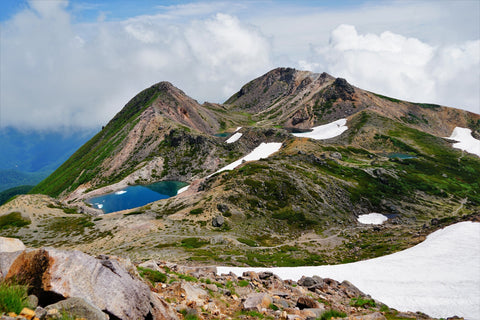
(76,63)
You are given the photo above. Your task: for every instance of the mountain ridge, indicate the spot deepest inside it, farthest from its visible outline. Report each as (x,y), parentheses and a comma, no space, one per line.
(298,206)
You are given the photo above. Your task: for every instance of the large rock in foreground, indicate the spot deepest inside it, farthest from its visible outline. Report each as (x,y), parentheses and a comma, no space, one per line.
(57,274)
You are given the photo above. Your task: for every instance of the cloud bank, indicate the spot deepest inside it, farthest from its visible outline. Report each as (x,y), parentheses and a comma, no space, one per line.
(402,67)
(56,72)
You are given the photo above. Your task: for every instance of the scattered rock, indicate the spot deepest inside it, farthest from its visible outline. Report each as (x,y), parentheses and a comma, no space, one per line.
(257,302)
(336,155)
(27,313)
(307,281)
(218,221)
(307,302)
(32,301)
(222,207)
(194,293)
(371,316)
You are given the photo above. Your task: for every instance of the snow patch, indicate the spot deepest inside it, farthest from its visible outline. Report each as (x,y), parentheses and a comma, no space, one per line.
(439,276)
(99,205)
(264,150)
(182,189)
(372,218)
(326,131)
(238,128)
(234,138)
(120,192)
(466,141)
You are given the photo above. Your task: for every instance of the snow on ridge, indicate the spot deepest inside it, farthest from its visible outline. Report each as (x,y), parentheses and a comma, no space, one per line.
(372,218)
(264,150)
(326,131)
(238,128)
(438,276)
(234,137)
(466,141)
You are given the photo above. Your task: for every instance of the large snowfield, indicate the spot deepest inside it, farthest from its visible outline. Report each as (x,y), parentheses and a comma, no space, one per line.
(466,141)
(440,276)
(326,131)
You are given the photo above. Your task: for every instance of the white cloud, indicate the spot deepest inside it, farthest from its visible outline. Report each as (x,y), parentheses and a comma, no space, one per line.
(55,73)
(402,67)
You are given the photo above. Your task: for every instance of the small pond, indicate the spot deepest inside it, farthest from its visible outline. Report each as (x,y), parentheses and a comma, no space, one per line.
(136,196)
(223,134)
(400,156)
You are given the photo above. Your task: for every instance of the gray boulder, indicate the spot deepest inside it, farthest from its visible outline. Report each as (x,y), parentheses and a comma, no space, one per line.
(80,308)
(218,221)
(257,302)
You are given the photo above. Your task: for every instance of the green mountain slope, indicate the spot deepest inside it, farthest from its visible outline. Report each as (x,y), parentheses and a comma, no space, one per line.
(298,206)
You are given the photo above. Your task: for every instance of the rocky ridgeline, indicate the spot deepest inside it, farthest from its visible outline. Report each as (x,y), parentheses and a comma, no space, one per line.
(106,287)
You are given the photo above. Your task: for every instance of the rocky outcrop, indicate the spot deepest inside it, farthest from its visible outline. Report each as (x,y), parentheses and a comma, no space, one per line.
(105,282)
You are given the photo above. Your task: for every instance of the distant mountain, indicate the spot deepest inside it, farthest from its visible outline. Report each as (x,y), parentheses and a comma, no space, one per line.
(302,99)
(392,158)
(27,157)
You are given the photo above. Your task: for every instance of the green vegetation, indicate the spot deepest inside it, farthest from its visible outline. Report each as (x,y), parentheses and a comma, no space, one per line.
(193,243)
(428,105)
(188,316)
(74,225)
(327,315)
(248,242)
(361,302)
(152,275)
(273,307)
(294,218)
(133,213)
(13,220)
(84,164)
(252,314)
(243,283)
(196,211)
(387,98)
(13,297)
(8,194)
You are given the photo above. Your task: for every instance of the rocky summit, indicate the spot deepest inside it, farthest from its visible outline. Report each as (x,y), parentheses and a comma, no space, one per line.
(278,175)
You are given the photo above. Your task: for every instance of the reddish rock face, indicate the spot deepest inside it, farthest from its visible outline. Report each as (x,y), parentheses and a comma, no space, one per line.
(30,268)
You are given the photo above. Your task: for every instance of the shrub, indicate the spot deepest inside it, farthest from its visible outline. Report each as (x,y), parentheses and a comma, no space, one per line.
(196,211)
(364,303)
(13,297)
(13,219)
(193,243)
(243,283)
(152,275)
(327,315)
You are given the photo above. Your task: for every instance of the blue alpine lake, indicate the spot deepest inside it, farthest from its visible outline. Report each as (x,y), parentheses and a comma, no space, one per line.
(136,196)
